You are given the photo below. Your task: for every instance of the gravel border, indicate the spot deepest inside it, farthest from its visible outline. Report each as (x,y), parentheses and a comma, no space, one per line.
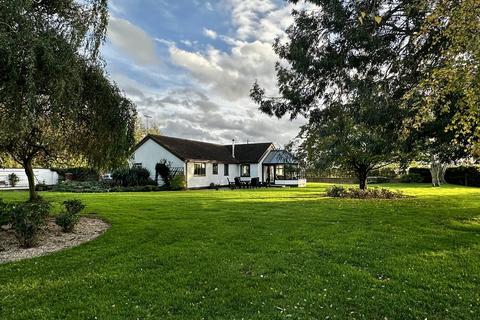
(52,239)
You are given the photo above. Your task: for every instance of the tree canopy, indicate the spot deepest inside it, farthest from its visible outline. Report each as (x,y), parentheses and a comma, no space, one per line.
(450,81)
(360,71)
(56,101)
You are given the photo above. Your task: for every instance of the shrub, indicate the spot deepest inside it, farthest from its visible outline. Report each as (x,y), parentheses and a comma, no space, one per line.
(73,206)
(136,176)
(411,178)
(423,172)
(357,193)
(69,218)
(5,213)
(162,169)
(335,191)
(67,221)
(97,187)
(13,179)
(42,187)
(177,182)
(27,220)
(78,174)
(81,187)
(463,175)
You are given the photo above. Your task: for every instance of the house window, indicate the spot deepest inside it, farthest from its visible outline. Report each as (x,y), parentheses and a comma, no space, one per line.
(245,170)
(286,172)
(215,168)
(199,169)
(225,169)
(279,172)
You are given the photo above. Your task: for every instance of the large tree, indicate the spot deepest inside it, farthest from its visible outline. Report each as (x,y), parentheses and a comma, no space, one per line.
(337,70)
(355,137)
(449,86)
(444,105)
(338,51)
(432,142)
(56,101)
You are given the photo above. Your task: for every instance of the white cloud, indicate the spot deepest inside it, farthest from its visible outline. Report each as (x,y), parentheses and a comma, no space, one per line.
(215,104)
(209,33)
(209,6)
(132,40)
(230,75)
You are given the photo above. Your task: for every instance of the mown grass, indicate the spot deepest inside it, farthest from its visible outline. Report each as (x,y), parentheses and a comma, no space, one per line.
(260,254)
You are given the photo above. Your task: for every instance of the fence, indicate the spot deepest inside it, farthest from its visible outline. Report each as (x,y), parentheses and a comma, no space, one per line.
(331,180)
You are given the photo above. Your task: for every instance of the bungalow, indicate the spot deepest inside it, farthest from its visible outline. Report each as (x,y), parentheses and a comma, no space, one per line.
(206,163)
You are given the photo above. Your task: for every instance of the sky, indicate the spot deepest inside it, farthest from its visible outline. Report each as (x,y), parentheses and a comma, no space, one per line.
(190,64)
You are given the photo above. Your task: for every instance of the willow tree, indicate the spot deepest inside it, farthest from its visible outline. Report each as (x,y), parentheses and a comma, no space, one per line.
(56,101)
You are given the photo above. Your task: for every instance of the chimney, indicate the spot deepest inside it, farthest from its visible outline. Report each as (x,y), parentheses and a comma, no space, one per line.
(233,148)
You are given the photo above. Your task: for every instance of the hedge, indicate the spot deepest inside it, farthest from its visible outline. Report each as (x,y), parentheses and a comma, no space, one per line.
(423,172)
(78,173)
(463,175)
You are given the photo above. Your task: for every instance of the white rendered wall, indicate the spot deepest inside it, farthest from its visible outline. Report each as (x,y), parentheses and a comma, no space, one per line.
(150,153)
(256,168)
(46,176)
(218,179)
(254,172)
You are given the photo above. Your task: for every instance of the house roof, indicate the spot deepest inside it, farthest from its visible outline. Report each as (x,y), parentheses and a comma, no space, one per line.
(196,150)
(280,157)
(250,152)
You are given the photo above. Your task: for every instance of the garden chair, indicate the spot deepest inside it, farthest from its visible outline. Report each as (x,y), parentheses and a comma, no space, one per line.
(232,185)
(239,184)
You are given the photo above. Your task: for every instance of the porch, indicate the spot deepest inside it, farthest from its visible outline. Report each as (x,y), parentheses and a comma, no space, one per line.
(282,169)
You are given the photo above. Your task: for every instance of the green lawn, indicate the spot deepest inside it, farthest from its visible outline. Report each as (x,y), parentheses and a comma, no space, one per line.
(261,254)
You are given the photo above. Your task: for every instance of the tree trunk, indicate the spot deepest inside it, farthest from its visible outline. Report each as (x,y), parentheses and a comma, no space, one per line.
(27,165)
(443,170)
(362,178)
(434,172)
(437,170)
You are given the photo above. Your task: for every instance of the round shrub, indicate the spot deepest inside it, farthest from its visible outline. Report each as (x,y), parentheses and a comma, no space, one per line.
(129,177)
(335,191)
(177,182)
(27,220)
(69,218)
